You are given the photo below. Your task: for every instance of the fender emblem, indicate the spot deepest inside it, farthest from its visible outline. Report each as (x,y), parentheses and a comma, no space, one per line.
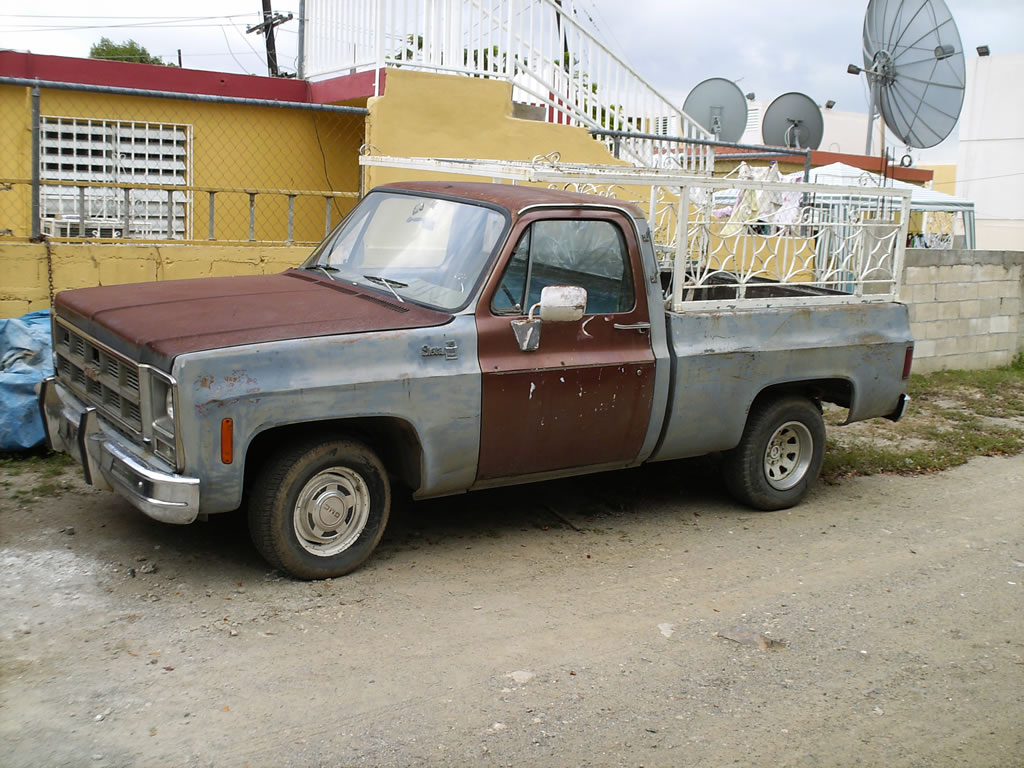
(450,350)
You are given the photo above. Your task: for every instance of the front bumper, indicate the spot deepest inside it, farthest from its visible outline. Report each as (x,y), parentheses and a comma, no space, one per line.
(110,462)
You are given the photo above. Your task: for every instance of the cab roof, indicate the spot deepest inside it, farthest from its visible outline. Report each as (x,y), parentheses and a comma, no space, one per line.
(512,197)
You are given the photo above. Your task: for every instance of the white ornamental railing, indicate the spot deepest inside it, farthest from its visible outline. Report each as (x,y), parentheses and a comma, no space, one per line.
(552,61)
(748,243)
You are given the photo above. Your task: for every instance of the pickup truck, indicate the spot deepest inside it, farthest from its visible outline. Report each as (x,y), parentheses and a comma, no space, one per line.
(447,337)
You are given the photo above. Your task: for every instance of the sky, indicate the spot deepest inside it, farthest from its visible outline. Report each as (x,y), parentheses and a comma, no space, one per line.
(799,45)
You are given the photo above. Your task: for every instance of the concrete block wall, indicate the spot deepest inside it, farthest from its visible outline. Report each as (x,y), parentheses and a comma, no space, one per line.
(965,307)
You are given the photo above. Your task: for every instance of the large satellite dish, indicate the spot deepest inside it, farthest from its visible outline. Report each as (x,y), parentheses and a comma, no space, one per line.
(914,62)
(793,120)
(719,107)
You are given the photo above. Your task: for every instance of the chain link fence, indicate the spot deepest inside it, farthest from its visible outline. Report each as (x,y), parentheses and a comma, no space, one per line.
(82,163)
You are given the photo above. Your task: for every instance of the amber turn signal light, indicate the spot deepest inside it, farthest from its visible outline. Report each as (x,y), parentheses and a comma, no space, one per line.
(227,438)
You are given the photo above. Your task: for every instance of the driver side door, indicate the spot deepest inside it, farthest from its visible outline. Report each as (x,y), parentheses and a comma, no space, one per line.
(583,398)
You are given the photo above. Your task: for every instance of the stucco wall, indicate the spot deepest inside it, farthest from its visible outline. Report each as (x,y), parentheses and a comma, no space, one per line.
(24,285)
(965,307)
(423,114)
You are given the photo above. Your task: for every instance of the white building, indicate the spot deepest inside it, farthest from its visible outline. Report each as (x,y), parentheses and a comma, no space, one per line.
(990,162)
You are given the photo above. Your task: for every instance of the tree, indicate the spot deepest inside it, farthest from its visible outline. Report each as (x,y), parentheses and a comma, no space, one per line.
(129,50)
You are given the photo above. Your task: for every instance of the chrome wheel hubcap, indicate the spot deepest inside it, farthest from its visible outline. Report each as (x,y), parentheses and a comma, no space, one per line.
(331,511)
(788,455)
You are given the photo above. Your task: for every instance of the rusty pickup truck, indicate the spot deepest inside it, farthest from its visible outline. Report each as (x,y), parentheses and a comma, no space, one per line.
(448,337)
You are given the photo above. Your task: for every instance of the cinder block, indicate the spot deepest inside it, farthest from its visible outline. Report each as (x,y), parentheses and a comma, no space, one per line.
(948,310)
(969,308)
(991,290)
(962,273)
(919,275)
(924,313)
(923,348)
(1009,306)
(990,272)
(946,346)
(991,341)
(918,294)
(990,307)
(956,291)
(1000,324)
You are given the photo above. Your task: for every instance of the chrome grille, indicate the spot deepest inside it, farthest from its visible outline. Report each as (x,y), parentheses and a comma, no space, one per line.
(99,376)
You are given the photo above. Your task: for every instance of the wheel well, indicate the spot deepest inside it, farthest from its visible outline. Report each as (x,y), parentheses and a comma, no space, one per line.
(394,440)
(838,391)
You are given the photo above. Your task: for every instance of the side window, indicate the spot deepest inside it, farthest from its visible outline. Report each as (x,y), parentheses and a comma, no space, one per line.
(590,254)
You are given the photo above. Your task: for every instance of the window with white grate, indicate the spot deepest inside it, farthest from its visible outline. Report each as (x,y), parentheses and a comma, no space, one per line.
(120,152)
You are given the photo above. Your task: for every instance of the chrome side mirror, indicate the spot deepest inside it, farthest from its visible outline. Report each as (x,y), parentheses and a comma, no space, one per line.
(558,304)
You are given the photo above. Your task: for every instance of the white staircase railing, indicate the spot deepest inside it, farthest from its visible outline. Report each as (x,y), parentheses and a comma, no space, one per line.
(551,60)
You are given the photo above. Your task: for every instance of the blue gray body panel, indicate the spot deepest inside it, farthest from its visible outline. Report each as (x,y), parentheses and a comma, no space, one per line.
(721,361)
(301,381)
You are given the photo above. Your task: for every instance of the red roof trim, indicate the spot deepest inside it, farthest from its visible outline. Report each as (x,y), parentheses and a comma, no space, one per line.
(864,162)
(123,74)
(152,77)
(347,87)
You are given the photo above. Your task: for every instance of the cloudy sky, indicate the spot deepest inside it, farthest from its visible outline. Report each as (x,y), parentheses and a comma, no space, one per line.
(798,45)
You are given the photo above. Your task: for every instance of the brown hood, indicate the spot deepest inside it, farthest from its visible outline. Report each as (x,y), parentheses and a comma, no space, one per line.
(155,322)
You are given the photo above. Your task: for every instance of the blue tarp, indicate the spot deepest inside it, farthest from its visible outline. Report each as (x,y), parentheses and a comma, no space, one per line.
(25,360)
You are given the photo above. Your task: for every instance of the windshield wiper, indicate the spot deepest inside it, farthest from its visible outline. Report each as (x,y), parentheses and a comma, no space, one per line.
(327,269)
(388,283)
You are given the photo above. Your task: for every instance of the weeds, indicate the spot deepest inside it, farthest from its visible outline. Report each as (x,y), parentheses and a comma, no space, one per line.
(954,416)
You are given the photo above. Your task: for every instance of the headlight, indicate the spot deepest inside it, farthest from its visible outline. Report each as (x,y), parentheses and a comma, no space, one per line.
(159,428)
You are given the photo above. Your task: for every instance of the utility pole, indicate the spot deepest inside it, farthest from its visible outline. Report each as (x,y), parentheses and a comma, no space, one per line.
(266,28)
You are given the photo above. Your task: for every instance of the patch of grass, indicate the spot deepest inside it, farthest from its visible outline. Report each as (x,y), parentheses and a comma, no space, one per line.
(954,416)
(47,463)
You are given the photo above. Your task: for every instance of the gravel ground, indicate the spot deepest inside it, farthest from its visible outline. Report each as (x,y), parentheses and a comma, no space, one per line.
(636,618)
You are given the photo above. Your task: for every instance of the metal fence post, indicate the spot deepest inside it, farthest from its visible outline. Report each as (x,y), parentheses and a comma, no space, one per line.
(81,211)
(211,237)
(127,212)
(291,218)
(170,214)
(35,164)
(327,222)
(252,216)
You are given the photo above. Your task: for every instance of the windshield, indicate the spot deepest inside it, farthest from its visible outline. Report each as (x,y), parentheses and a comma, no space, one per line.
(419,249)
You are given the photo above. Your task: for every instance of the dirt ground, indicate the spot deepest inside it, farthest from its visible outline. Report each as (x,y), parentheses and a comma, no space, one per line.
(636,618)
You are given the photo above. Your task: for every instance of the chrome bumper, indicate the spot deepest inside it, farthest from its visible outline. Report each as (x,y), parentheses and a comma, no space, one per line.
(901,408)
(109,462)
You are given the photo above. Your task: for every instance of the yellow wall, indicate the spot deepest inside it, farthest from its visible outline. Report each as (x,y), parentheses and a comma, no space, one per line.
(944,179)
(23,267)
(233,146)
(423,114)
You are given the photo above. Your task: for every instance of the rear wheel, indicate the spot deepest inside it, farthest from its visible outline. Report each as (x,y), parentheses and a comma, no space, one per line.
(779,456)
(319,508)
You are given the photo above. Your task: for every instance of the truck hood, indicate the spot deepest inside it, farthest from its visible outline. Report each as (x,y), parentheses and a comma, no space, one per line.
(155,322)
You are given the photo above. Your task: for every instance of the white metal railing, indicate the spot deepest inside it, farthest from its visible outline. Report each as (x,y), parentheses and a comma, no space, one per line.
(747,243)
(537,45)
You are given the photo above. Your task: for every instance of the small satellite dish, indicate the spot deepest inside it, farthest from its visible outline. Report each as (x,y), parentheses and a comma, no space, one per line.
(719,107)
(914,62)
(793,120)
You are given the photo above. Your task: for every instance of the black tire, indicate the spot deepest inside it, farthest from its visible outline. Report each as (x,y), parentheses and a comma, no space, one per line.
(318,508)
(779,456)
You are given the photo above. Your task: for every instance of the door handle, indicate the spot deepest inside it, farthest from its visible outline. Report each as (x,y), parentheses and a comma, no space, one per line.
(642,327)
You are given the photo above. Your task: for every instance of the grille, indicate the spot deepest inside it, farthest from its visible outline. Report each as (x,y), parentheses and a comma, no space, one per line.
(99,377)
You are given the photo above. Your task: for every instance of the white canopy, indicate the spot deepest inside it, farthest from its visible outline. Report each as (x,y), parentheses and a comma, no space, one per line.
(921,199)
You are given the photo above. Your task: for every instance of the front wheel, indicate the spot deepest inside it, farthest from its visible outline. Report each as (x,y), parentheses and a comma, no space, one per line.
(319,508)
(779,455)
